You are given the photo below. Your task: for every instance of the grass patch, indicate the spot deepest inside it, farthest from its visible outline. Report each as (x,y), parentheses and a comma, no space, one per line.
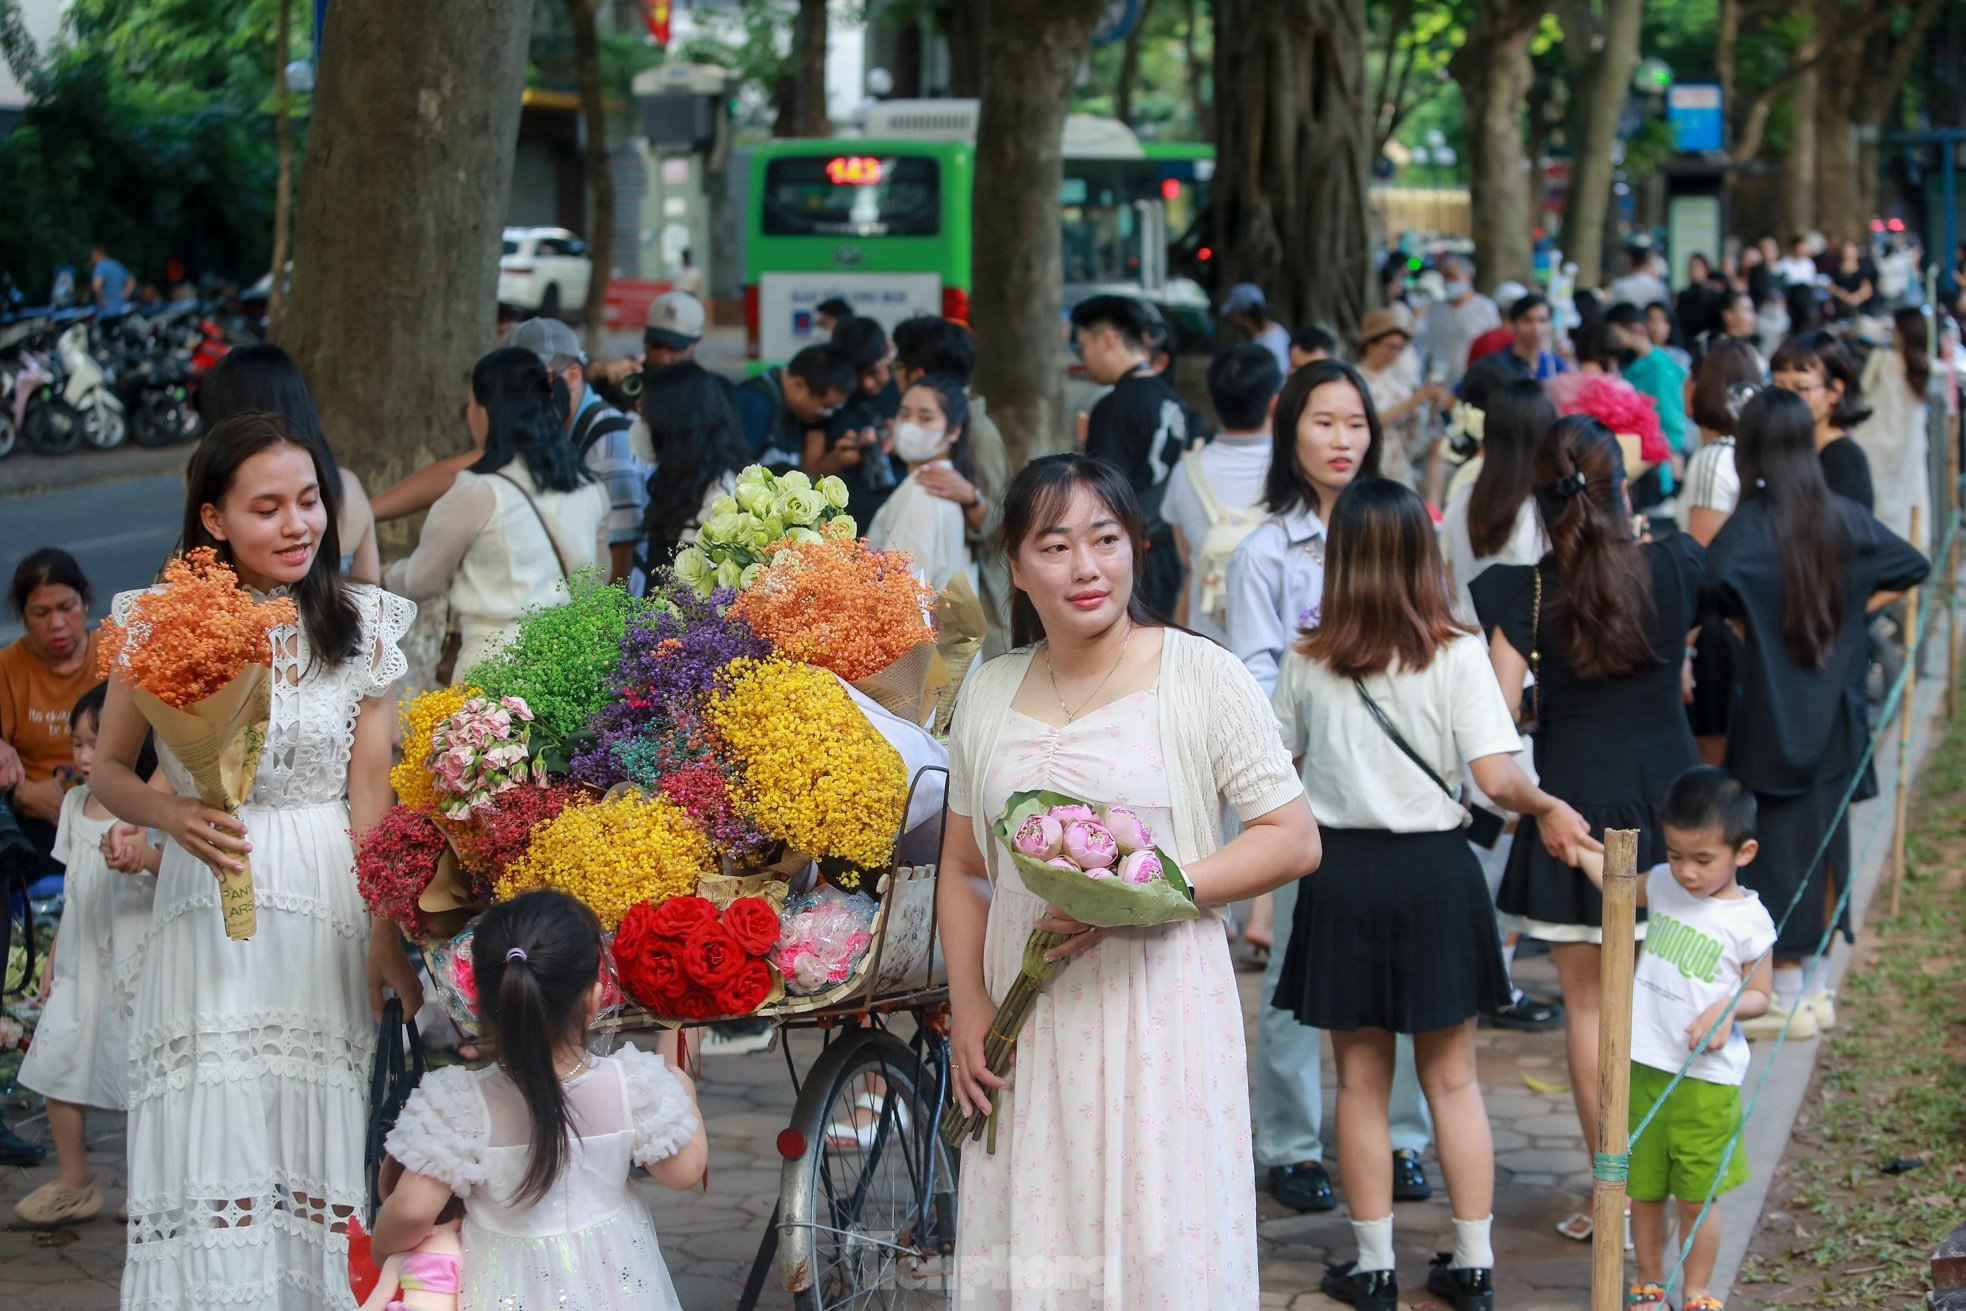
(1840,1231)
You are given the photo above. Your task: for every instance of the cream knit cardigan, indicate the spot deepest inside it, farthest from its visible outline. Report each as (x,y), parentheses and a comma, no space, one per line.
(1218,736)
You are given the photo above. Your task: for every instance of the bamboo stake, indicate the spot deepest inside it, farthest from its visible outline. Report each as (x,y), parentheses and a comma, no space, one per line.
(1904,738)
(1614,1045)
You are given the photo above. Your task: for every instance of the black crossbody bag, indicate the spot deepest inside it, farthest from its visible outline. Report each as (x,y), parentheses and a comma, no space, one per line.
(1484,826)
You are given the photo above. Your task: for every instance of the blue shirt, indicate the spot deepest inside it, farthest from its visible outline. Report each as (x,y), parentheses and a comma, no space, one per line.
(113,277)
(1275,585)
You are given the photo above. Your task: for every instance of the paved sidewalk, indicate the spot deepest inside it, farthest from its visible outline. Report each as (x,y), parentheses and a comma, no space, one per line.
(709,1237)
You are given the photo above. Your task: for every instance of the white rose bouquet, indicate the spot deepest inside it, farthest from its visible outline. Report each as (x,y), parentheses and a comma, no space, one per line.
(763,511)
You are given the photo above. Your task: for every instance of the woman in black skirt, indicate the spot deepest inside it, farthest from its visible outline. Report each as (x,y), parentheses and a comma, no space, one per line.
(1603,623)
(1800,570)
(1394,934)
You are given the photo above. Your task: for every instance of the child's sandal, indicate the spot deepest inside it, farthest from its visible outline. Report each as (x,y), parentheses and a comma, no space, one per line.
(1705,1303)
(1648,1295)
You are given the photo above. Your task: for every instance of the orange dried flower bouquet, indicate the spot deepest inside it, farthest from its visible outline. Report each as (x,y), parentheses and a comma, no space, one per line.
(839,604)
(195,635)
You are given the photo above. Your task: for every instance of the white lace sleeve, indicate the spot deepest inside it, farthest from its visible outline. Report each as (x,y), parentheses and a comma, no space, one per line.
(122,611)
(385,618)
(442,1131)
(664,1116)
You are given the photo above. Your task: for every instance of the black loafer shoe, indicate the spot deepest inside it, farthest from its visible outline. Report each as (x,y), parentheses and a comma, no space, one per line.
(1463,1289)
(1409,1180)
(1525,1014)
(16,1150)
(1376,1290)
(1303,1187)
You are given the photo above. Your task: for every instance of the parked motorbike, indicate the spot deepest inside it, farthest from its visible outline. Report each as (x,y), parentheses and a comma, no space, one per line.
(45,423)
(87,387)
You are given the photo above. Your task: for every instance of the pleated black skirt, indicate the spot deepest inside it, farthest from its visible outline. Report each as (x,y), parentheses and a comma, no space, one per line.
(1791,830)
(1394,931)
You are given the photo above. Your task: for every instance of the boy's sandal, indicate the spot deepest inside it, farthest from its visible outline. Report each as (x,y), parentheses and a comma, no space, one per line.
(1705,1303)
(1647,1295)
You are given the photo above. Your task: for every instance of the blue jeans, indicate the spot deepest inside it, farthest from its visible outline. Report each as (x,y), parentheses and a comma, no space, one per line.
(1289,1073)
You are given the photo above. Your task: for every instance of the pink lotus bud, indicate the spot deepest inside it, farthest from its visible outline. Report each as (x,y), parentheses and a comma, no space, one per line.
(1063,862)
(1127,828)
(1066,814)
(1040,837)
(1141,867)
(1090,844)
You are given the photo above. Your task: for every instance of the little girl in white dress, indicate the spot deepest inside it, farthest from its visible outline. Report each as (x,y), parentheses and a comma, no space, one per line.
(80,1056)
(540,1146)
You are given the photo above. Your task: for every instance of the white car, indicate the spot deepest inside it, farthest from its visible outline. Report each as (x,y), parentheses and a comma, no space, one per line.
(544,270)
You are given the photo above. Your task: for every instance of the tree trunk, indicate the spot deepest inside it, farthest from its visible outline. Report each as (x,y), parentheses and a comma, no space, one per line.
(402,200)
(966,24)
(1197,98)
(1838,199)
(809,93)
(600,174)
(1033,54)
(1494,71)
(1294,143)
(1887,62)
(283,191)
(1799,167)
(1130,66)
(1600,96)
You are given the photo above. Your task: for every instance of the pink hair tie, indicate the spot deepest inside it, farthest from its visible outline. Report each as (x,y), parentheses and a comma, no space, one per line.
(517,953)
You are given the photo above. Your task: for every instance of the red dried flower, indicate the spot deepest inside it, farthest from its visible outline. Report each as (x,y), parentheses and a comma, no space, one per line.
(753,921)
(394,863)
(711,955)
(747,989)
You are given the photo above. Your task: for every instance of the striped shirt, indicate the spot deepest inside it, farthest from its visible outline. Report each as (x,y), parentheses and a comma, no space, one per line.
(612,460)
(1712,481)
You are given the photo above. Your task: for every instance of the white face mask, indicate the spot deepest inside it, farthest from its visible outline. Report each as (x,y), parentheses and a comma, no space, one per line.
(914,443)
(1456,290)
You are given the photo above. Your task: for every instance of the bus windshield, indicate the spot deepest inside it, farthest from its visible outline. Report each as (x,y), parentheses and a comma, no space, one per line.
(852,195)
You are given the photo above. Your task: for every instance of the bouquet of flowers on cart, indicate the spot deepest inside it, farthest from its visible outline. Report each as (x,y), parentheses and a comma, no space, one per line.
(1097,864)
(691,765)
(198,653)
(764,513)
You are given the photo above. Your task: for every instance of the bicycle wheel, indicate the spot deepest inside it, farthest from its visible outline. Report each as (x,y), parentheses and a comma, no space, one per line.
(868,1216)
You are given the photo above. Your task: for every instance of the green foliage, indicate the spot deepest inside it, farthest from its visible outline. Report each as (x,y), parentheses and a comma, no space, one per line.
(1163,106)
(149,131)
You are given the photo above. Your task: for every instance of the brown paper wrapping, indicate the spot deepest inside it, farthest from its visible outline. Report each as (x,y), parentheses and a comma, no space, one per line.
(961,625)
(219,741)
(902,686)
(446,900)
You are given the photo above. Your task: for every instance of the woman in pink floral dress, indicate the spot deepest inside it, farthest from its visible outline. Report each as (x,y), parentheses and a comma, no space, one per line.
(1122,1176)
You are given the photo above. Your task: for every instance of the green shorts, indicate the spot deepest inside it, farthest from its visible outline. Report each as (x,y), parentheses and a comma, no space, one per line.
(1679,1154)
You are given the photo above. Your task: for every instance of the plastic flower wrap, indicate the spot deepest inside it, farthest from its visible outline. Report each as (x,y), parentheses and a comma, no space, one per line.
(684,959)
(411,775)
(1098,866)
(823,937)
(561,658)
(611,855)
(840,605)
(481,752)
(394,862)
(744,529)
(810,770)
(197,652)
(453,979)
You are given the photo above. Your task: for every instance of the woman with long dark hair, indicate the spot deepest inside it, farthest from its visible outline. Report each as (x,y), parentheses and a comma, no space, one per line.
(1325,436)
(250,1060)
(699,450)
(519,522)
(1493,519)
(1123,1146)
(1800,569)
(263,379)
(1601,622)
(1895,438)
(1818,368)
(1394,933)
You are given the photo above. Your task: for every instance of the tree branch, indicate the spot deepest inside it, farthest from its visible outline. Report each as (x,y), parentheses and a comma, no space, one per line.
(1754,127)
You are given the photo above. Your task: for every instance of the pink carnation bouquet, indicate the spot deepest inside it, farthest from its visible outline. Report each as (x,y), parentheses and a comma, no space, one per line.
(481,751)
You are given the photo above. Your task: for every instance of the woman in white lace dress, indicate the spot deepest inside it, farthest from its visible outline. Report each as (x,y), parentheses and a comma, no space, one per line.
(249,1059)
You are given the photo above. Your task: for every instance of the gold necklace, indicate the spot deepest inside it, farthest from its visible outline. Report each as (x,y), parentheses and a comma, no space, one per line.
(1052,670)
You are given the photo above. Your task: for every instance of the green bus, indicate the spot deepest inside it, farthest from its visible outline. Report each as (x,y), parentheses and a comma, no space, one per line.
(883,221)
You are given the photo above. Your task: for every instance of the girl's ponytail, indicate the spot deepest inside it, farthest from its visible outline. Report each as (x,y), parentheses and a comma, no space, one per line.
(1603,604)
(537,959)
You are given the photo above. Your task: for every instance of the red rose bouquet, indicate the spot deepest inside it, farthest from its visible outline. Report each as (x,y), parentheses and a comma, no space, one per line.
(683,959)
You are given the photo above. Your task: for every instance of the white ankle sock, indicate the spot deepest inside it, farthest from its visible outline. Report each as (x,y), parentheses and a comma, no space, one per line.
(1508,959)
(1472,1250)
(1817,982)
(1788,986)
(1375,1243)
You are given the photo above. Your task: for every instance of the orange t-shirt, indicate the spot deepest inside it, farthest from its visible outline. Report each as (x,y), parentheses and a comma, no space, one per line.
(34,706)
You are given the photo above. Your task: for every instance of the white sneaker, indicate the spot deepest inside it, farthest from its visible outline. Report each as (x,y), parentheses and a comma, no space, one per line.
(717,1041)
(1767,1026)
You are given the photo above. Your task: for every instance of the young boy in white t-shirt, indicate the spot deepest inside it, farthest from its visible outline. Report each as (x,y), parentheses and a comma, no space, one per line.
(1704,934)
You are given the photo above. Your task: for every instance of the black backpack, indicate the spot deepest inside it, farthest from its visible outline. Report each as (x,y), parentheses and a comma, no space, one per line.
(599,421)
